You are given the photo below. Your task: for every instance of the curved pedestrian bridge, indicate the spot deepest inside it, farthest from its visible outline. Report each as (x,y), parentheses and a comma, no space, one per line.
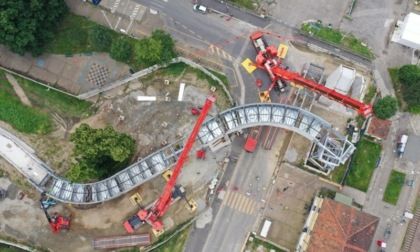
(331,149)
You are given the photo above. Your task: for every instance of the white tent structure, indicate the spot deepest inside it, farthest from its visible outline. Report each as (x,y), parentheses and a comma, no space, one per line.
(340,80)
(407,32)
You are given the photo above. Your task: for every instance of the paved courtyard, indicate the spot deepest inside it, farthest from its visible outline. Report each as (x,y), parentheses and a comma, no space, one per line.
(289,204)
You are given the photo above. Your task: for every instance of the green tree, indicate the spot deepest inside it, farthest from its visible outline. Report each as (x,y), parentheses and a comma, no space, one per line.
(121,50)
(409,74)
(148,51)
(100,38)
(385,107)
(26,26)
(411,93)
(99,153)
(168,45)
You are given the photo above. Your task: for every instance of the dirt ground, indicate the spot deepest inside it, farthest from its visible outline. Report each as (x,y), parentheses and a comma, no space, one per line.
(141,120)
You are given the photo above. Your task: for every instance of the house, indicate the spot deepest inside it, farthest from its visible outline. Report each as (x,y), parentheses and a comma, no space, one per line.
(333,226)
(378,128)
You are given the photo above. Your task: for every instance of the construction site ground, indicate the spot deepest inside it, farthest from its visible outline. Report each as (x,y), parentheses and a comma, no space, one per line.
(144,122)
(24,220)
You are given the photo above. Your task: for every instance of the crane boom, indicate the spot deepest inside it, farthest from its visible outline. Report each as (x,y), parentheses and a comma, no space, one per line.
(268,61)
(363,109)
(166,199)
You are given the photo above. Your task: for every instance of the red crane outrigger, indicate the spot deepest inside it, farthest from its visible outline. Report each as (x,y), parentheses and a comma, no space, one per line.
(165,200)
(267,60)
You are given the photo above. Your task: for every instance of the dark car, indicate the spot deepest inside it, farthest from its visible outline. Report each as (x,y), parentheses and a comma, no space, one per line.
(96,2)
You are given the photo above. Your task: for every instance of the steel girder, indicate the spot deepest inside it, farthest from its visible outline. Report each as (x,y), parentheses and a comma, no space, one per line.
(331,150)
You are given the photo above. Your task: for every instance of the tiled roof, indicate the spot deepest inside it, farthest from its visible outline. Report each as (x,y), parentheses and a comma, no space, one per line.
(379,128)
(342,228)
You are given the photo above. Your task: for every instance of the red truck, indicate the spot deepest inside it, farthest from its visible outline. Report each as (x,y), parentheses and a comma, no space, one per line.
(252,140)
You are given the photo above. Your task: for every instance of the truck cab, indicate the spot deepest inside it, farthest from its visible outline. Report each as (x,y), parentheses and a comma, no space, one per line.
(258,42)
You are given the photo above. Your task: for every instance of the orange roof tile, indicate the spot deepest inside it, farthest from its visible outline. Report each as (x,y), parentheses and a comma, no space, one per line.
(379,128)
(342,228)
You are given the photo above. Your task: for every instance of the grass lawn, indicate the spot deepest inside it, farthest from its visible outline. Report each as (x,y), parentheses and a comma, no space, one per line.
(363,165)
(71,37)
(337,37)
(55,101)
(21,117)
(370,94)
(393,74)
(394,186)
(338,174)
(72,25)
(244,3)
(256,243)
(7,248)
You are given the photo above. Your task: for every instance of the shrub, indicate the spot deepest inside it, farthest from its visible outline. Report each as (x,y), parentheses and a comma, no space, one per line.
(385,107)
(100,38)
(121,50)
(409,74)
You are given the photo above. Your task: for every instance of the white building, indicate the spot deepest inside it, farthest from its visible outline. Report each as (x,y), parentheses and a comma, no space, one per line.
(407,32)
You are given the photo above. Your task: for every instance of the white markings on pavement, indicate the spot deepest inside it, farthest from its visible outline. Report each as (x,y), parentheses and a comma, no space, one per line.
(109,23)
(119,19)
(135,11)
(240,202)
(114,8)
(220,52)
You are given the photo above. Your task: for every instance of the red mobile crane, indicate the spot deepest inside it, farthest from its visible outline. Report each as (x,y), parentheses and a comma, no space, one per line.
(165,200)
(57,222)
(267,60)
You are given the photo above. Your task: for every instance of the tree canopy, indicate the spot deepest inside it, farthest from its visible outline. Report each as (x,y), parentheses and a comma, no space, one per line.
(26,26)
(100,38)
(168,45)
(385,107)
(99,153)
(121,50)
(409,76)
(157,49)
(148,51)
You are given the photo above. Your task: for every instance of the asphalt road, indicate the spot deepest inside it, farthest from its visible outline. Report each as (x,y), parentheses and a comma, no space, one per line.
(244,187)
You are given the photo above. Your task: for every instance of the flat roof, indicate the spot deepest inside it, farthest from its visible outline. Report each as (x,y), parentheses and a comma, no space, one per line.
(411,30)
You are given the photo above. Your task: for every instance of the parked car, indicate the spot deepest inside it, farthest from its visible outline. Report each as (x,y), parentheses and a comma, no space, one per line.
(410,182)
(96,2)
(200,8)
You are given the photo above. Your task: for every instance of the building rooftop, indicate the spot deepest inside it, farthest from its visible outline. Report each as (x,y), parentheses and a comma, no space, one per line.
(379,128)
(341,79)
(342,228)
(407,32)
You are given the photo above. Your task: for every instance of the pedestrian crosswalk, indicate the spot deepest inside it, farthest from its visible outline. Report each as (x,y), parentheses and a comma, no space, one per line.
(216,50)
(240,202)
